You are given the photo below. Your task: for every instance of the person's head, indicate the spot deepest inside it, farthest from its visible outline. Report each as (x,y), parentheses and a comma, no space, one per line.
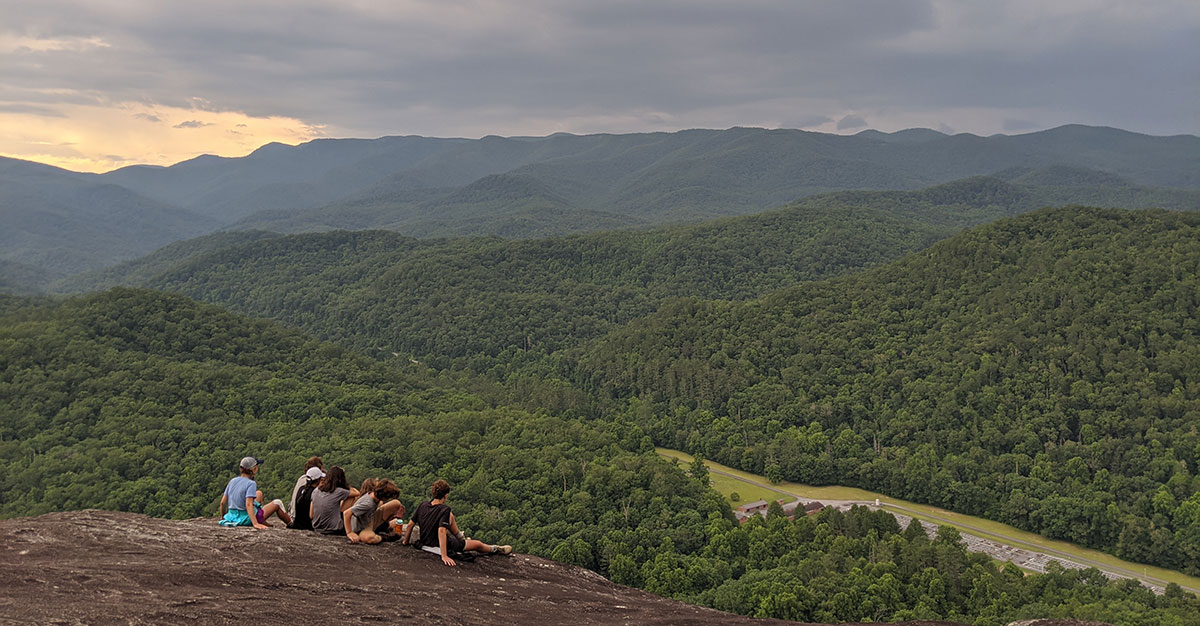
(249,465)
(313,474)
(368,486)
(386,490)
(335,478)
(440,489)
(314,462)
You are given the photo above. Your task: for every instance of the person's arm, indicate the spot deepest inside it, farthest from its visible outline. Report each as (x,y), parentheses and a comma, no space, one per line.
(295,492)
(407,532)
(351,535)
(253,514)
(442,534)
(221,507)
(354,493)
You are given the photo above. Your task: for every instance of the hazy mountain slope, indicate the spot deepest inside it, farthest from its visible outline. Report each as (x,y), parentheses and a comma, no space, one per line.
(538,186)
(276,176)
(19,278)
(62,222)
(692,175)
(385,293)
(144,269)
(1043,371)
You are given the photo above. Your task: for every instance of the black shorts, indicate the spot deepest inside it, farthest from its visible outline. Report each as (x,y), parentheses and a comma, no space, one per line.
(453,543)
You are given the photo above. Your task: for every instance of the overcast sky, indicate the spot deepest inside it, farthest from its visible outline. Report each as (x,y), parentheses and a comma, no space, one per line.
(94,85)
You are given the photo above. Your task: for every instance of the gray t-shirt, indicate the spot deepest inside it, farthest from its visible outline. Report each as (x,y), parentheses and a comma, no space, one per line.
(363,513)
(327,510)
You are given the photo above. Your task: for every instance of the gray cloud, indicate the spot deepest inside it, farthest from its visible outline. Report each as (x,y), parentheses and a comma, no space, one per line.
(149,117)
(25,107)
(539,66)
(807,121)
(1010,125)
(192,124)
(851,122)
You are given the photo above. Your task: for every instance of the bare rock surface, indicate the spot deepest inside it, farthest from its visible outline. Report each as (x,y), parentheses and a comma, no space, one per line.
(97,567)
(100,567)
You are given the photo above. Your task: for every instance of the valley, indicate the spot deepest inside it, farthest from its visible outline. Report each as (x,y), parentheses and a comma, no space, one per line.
(1002,542)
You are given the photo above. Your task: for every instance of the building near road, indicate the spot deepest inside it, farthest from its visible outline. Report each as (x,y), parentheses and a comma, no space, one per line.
(759,507)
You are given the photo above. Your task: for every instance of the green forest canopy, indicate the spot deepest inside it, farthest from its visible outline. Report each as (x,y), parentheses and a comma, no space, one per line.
(1043,371)
(142,401)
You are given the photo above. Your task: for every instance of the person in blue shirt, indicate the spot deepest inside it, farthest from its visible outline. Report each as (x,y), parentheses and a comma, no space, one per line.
(242,496)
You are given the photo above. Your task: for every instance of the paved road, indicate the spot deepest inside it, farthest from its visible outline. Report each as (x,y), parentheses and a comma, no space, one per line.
(1027,555)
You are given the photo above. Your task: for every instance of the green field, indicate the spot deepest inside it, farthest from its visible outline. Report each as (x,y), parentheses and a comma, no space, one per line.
(751,487)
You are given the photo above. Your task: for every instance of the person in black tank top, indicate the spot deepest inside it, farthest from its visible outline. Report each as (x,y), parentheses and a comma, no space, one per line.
(440,530)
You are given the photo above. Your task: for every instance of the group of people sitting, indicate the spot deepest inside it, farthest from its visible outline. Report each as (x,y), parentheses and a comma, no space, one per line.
(324,501)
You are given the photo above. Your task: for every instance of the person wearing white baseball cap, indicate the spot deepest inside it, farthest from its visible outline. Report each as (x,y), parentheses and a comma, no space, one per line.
(242,496)
(314,470)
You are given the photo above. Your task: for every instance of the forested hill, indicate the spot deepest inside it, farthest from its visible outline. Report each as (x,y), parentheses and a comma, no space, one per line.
(1043,371)
(441,300)
(140,401)
(563,184)
(66,222)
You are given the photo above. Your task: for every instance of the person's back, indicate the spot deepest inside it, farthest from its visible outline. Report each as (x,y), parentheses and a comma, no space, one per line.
(240,502)
(429,518)
(371,512)
(308,476)
(327,510)
(238,489)
(439,530)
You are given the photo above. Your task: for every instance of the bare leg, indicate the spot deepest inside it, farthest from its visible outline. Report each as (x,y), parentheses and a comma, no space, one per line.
(276,508)
(368,536)
(475,545)
(393,508)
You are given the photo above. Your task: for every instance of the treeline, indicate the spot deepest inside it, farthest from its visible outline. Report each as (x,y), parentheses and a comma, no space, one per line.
(1042,371)
(862,567)
(140,401)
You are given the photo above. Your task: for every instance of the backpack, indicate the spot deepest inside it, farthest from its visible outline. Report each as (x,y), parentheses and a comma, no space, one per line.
(302,520)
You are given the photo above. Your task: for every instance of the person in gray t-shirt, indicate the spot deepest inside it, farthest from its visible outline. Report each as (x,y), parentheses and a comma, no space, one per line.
(371,511)
(329,500)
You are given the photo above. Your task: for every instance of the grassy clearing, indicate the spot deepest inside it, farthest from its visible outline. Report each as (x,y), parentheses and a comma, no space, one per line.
(966,523)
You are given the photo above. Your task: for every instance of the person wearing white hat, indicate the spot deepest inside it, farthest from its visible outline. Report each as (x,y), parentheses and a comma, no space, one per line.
(242,496)
(314,470)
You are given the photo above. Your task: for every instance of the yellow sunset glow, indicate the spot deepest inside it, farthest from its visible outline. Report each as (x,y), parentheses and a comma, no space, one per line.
(87,138)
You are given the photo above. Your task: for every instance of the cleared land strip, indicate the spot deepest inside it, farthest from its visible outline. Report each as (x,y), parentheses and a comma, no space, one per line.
(1025,555)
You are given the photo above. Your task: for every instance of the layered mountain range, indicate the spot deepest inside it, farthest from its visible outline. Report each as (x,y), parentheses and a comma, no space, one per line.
(61,222)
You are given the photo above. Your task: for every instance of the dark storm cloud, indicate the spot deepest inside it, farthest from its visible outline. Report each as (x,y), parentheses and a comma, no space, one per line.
(437,68)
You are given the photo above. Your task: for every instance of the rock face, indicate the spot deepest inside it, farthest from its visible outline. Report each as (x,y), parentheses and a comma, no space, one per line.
(95,567)
(98,567)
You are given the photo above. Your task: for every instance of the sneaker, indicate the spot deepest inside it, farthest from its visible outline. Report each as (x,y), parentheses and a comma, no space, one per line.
(505,550)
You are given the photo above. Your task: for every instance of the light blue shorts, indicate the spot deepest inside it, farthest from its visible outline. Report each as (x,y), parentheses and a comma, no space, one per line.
(238,517)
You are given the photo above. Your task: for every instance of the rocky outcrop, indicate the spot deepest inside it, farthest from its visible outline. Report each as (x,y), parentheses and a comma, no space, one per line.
(96,567)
